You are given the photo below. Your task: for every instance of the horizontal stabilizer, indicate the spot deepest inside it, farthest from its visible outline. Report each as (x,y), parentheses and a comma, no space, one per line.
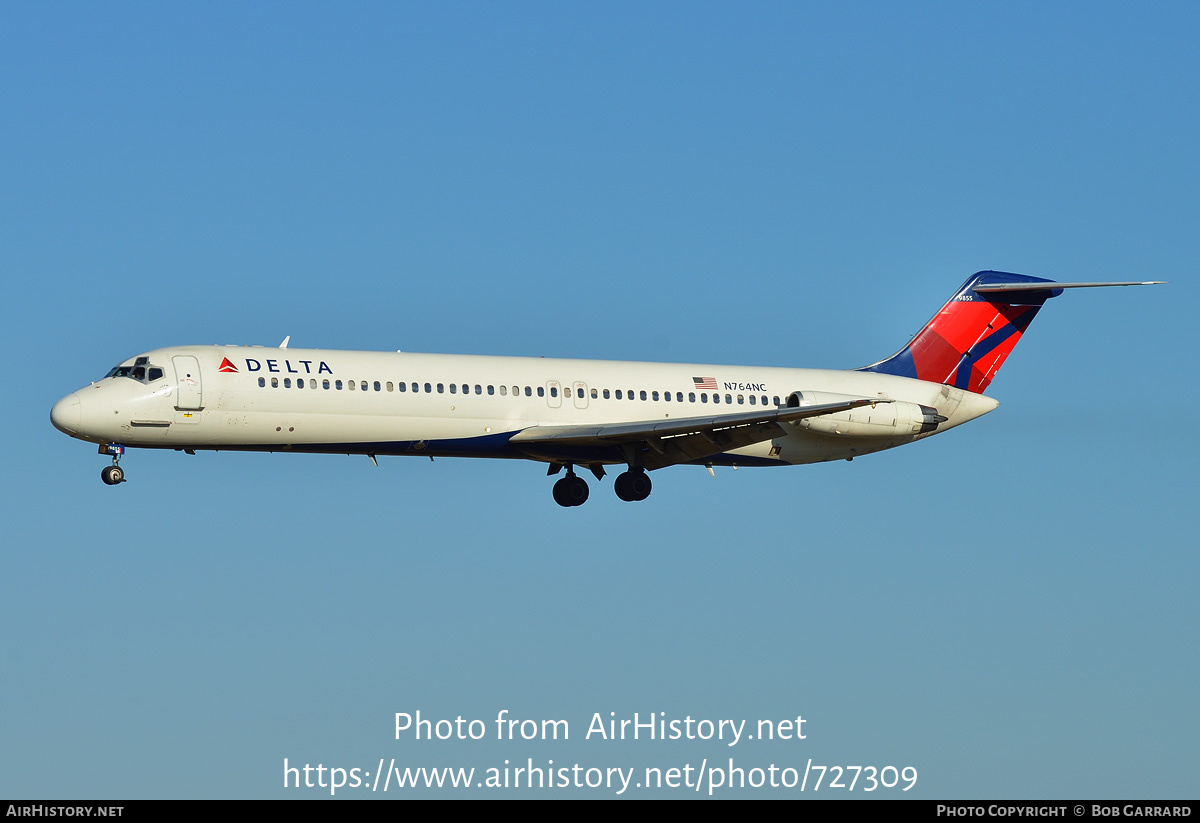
(1050,286)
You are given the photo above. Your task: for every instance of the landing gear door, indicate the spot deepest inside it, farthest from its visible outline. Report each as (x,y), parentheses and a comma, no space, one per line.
(187,376)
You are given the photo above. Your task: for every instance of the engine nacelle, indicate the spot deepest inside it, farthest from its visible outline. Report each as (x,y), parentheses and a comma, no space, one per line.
(898,418)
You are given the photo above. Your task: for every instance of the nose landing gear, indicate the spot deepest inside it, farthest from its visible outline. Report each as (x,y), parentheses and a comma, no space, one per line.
(114,474)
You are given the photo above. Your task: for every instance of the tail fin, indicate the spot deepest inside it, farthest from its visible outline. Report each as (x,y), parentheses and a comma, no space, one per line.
(966,342)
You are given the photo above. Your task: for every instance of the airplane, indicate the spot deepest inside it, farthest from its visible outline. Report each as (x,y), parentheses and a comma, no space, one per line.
(565,413)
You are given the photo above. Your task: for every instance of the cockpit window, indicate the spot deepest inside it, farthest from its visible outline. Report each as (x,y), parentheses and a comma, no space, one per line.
(141,371)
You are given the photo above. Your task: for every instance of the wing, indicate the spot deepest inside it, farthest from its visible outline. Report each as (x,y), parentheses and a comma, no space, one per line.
(669,441)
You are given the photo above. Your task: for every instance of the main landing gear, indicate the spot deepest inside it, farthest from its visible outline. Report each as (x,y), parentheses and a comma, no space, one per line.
(114,474)
(633,485)
(573,491)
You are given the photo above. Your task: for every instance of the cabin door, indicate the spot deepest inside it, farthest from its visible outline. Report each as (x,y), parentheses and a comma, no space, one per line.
(187,377)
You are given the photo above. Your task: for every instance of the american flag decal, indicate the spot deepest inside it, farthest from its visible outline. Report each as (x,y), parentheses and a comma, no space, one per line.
(709,383)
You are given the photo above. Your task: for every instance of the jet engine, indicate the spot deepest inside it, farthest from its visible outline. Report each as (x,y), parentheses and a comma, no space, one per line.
(897,418)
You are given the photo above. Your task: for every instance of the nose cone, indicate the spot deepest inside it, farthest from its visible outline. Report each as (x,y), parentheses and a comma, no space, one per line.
(65,414)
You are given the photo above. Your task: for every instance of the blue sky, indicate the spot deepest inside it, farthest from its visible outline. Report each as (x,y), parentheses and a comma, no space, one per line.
(1010,608)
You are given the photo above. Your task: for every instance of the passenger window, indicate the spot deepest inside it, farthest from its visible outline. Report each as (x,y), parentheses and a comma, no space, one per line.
(402,386)
(428,388)
(454,388)
(351,385)
(478,389)
(516,390)
(441,389)
(416,387)
(619,394)
(691,397)
(541,391)
(274,382)
(377,386)
(703,397)
(389,385)
(716,398)
(776,399)
(262,382)
(593,394)
(667,396)
(729,398)
(741,399)
(528,391)
(751,400)
(566,391)
(679,397)
(325,384)
(503,391)
(554,391)
(606,394)
(653,396)
(364,385)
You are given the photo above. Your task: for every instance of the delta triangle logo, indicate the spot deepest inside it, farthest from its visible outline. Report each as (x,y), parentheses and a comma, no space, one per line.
(226,366)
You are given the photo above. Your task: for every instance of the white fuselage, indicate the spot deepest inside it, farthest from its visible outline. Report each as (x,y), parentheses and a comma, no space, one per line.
(311,400)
